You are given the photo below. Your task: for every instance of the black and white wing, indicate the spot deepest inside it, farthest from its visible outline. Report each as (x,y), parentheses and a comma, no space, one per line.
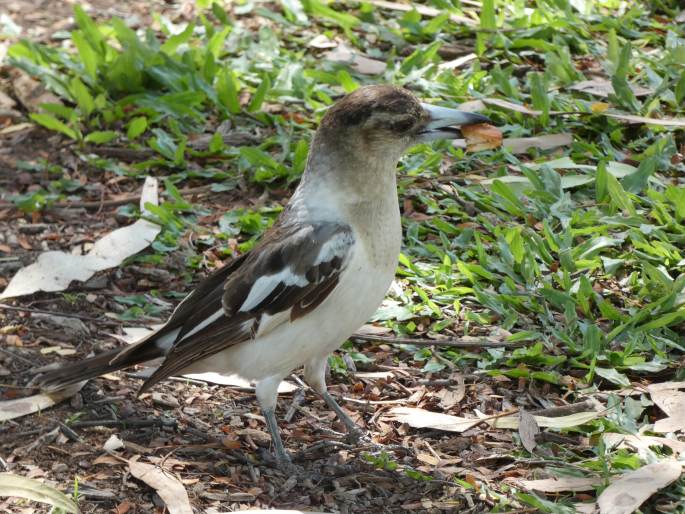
(289,274)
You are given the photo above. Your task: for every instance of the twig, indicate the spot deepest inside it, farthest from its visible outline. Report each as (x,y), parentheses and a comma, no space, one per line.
(97,204)
(298,400)
(457,342)
(125,423)
(565,410)
(57,314)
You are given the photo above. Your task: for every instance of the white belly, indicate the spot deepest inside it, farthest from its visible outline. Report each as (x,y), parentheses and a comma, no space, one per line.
(361,288)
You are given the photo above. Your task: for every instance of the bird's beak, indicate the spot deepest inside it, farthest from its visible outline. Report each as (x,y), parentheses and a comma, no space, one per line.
(443,123)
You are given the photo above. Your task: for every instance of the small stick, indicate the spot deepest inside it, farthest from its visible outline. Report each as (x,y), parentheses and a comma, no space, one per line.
(298,400)
(57,314)
(565,410)
(456,342)
(98,204)
(125,423)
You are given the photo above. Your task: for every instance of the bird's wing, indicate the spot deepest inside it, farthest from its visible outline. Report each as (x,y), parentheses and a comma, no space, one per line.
(285,277)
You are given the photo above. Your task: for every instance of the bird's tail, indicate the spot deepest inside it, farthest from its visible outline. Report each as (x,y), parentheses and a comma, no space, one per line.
(95,366)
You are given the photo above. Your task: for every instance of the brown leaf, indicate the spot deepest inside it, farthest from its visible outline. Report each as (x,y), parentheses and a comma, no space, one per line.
(528,429)
(30,92)
(169,489)
(359,62)
(672,402)
(561,484)
(626,494)
(602,87)
(481,136)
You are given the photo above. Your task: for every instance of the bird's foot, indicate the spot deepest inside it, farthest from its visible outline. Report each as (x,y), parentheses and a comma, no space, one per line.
(279,460)
(355,435)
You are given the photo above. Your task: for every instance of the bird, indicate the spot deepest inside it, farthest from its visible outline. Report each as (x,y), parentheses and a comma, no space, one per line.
(316,276)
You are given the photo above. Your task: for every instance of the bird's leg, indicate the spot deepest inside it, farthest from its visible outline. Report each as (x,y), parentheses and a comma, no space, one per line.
(315,375)
(282,457)
(354,432)
(267,394)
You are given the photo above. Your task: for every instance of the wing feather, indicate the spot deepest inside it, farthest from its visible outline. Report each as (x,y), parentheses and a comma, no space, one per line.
(285,277)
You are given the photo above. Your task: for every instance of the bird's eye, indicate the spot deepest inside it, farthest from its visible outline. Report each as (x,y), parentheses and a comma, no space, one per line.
(402,125)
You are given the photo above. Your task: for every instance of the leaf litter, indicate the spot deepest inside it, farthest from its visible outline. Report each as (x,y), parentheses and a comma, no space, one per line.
(579,263)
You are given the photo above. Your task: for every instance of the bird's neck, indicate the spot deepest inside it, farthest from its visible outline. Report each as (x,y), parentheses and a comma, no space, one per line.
(348,178)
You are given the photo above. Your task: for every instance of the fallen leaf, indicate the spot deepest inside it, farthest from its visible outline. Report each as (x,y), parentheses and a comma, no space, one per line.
(54,271)
(572,420)
(642,442)
(236,381)
(519,145)
(672,402)
(30,92)
(626,494)
(169,489)
(458,63)
(631,118)
(420,418)
(322,42)
(560,484)
(22,487)
(528,429)
(511,106)
(481,136)
(602,87)
(212,510)
(359,62)
(12,409)
(423,10)
(113,443)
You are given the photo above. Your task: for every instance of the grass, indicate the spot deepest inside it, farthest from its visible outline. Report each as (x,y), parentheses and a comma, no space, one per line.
(577,251)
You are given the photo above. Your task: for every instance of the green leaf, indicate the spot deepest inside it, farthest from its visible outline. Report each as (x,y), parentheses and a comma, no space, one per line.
(540,96)
(100,137)
(680,89)
(89,57)
(227,91)
(260,94)
(172,44)
(663,321)
(618,195)
(488,22)
(82,96)
(136,127)
(52,123)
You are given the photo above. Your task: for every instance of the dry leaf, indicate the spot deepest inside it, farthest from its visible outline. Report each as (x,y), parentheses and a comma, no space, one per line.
(481,136)
(11,409)
(572,420)
(630,118)
(642,442)
(528,429)
(420,418)
(602,87)
(626,494)
(236,381)
(359,62)
(560,484)
(169,489)
(519,145)
(212,510)
(113,443)
(672,402)
(424,10)
(54,271)
(30,92)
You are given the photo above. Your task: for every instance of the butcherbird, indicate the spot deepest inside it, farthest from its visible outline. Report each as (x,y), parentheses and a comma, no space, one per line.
(314,278)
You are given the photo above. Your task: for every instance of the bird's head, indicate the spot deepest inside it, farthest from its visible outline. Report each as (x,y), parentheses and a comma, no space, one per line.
(388,120)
